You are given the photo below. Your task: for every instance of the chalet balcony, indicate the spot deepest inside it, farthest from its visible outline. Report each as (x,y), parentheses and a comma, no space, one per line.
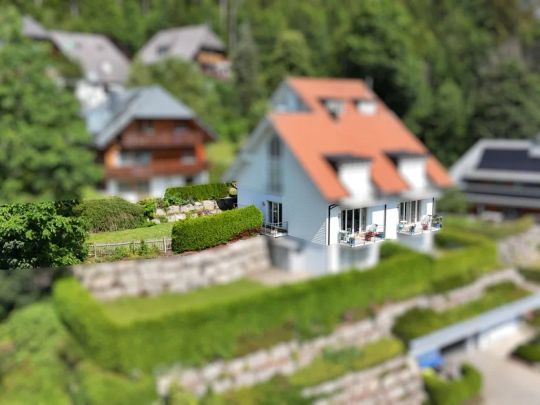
(156,169)
(275,229)
(370,236)
(429,223)
(164,139)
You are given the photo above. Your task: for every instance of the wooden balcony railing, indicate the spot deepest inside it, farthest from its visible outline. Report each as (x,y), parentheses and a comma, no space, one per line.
(156,168)
(165,139)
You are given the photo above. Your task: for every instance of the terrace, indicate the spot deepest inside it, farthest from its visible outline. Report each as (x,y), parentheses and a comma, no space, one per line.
(429,223)
(275,229)
(372,234)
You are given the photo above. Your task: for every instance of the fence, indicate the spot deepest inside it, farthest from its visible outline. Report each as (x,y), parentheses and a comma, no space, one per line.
(105,249)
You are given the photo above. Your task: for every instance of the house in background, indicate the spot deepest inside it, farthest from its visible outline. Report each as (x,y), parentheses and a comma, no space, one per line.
(148,141)
(104,67)
(335,172)
(194,43)
(501,177)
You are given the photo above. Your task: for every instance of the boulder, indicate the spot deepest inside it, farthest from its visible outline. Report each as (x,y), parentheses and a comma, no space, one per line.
(209,205)
(186,208)
(160,212)
(173,209)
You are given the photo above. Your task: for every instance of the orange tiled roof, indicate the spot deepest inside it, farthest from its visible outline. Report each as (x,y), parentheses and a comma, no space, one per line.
(315,134)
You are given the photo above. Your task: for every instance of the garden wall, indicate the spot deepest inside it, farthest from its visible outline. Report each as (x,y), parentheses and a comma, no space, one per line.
(288,357)
(180,273)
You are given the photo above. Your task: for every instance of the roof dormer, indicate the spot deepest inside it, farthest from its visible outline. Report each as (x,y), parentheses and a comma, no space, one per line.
(354,173)
(334,106)
(366,106)
(412,167)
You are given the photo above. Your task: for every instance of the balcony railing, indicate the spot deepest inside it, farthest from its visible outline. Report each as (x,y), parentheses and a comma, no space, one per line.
(429,223)
(370,236)
(275,229)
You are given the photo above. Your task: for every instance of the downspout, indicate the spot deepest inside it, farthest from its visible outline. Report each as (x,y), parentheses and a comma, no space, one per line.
(384,225)
(432,206)
(328,226)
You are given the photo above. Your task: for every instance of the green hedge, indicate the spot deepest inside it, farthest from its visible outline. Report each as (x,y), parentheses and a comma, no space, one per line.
(454,392)
(199,192)
(193,337)
(529,352)
(212,230)
(111,214)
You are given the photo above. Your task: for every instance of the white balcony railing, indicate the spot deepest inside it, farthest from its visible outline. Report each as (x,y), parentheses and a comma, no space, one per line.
(275,229)
(371,235)
(429,223)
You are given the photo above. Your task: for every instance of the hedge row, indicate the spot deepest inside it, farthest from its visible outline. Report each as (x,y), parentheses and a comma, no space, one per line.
(212,230)
(111,214)
(199,192)
(306,309)
(454,392)
(529,352)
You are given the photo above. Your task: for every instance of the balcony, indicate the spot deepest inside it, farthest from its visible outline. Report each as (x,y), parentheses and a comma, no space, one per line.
(161,139)
(275,229)
(429,223)
(156,168)
(372,235)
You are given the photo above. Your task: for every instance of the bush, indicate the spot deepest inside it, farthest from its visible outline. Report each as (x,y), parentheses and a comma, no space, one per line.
(529,352)
(111,214)
(199,192)
(453,201)
(391,249)
(454,392)
(199,335)
(204,232)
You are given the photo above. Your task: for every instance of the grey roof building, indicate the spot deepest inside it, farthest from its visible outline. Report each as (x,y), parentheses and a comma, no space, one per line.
(101,61)
(149,103)
(501,175)
(183,43)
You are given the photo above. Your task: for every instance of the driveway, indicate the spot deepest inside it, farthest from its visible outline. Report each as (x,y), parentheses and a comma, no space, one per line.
(506,381)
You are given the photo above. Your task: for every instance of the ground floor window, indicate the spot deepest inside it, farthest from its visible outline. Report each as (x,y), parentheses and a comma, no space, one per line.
(354,220)
(409,211)
(275,212)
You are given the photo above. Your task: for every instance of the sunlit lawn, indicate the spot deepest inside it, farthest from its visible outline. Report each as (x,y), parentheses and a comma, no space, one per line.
(139,308)
(150,232)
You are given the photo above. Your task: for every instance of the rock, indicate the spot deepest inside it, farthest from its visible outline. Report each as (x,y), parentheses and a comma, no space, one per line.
(156,221)
(160,212)
(209,205)
(187,208)
(173,209)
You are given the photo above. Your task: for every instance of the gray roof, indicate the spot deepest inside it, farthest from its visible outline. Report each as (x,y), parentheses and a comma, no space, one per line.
(99,58)
(32,29)
(183,43)
(108,119)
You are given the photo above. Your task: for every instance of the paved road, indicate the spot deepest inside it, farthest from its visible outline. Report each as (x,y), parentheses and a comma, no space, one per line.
(506,381)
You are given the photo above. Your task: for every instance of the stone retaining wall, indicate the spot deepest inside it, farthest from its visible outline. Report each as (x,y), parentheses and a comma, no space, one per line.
(288,357)
(396,381)
(179,273)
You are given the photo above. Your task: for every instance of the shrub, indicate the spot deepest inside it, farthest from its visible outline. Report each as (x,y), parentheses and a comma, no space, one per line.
(529,352)
(46,234)
(452,201)
(198,335)
(204,232)
(199,192)
(111,214)
(390,249)
(453,392)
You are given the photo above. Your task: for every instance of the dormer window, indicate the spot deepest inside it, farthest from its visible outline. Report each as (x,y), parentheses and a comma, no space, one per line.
(334,106)
(366,106)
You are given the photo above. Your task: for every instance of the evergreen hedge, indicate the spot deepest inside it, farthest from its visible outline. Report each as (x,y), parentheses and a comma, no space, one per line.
(212,230)
(454,392)
(198,192)
(111,214)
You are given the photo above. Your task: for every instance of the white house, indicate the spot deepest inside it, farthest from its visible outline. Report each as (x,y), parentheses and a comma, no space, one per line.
(335,172)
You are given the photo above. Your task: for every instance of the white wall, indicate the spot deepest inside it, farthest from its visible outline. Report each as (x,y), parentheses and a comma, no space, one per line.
(356,177)
(413,170)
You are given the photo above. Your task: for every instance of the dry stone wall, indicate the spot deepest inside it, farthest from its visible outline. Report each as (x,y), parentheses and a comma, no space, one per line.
(397,381)
(179,273)
(288,357)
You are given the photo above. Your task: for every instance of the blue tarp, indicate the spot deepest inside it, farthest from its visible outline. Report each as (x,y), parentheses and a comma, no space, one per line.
(431,359)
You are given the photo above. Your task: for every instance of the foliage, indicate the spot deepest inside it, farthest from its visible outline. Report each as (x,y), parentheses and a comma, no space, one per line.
(132,251)
(45,234)
(453,201)
(391,249)
(204,232)
(44,151)
(487,229)
(157,231)
(149,206)
(198,192)
(453,392)
(111,214)
(529,352)
(421,321)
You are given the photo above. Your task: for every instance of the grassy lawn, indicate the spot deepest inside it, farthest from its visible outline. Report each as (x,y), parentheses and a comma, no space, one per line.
(420,321)
(221,155)
(149,232)
(128,310)
(489,229)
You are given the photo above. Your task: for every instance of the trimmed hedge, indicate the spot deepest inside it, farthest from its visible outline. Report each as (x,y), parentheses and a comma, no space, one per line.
(309,308)
(199,192)
(212,230)
(454,392)
(111,214)
(529,352)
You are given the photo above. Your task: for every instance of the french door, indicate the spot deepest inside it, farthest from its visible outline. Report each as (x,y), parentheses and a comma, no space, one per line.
(275,212)
(353,221)
(409,211)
